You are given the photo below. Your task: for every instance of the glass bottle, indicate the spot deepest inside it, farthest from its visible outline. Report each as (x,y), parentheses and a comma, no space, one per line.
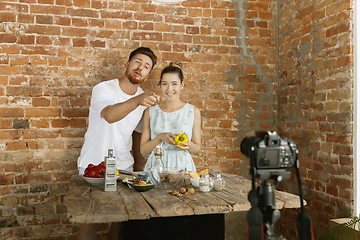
(204,183)
(156,172)
(218,182)
(158,163)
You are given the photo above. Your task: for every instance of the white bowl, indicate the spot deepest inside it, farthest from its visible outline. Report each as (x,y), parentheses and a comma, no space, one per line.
(100,182)
(194,182)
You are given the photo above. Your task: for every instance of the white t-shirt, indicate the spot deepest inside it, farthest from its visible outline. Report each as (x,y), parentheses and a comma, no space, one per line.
(101,135)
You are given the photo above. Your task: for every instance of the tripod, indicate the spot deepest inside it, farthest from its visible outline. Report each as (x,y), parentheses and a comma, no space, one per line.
(263,214)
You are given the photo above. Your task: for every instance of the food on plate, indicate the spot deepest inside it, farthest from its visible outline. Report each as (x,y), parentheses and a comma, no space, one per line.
(194,174)
(142,183)
(181,137)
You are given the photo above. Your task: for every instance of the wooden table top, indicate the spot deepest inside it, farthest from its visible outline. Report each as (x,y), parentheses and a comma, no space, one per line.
(90,204)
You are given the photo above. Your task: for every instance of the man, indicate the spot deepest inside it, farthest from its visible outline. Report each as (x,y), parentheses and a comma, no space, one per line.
(116,109)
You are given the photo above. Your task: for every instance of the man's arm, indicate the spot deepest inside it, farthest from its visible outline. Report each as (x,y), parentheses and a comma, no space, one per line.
(118,111)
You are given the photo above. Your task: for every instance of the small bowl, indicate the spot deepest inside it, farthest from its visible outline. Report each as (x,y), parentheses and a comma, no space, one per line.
(99,182)
(194,182)
(143,188)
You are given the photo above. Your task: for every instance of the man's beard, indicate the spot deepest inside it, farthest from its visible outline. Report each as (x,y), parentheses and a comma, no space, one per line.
(133,79)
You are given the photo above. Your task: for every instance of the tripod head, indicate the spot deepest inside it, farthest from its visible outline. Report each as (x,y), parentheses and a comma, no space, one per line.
(270,156)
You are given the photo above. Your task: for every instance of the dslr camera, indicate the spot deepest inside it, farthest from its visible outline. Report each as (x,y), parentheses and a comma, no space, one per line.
(267,150)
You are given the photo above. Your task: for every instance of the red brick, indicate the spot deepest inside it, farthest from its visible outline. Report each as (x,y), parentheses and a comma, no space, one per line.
(82,3)
(20,145)
(42,123)
(98,4)
(34,134)
(73,133)
(63,2)
(10,134)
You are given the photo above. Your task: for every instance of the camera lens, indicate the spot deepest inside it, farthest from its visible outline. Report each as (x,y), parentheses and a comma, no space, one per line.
(246,145)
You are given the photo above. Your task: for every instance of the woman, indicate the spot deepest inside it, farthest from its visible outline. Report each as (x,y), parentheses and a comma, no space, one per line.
(170,117)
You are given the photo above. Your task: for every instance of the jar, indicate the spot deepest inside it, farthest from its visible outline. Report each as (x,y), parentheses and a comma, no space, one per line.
(204,183)
(218,182)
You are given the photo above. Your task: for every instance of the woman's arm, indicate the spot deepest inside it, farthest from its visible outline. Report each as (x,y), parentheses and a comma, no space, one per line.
(195,144)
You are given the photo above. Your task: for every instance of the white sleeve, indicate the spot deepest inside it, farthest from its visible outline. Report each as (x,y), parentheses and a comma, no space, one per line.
(101,97)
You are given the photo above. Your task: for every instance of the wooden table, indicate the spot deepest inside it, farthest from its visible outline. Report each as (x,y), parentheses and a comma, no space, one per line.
(89,204)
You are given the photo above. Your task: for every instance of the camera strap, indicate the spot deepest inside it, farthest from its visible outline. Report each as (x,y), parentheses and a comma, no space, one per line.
(255,224)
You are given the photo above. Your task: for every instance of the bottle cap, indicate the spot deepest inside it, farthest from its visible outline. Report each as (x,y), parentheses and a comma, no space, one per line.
(110,152)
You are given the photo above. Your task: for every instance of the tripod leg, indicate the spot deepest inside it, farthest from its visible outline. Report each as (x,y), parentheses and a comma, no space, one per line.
(255,225)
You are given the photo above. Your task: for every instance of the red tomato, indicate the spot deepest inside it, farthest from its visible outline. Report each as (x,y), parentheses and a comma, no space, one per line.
(94,174)
(86,172)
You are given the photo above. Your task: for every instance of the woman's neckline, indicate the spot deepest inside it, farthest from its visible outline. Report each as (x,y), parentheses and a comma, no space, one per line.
(184,104)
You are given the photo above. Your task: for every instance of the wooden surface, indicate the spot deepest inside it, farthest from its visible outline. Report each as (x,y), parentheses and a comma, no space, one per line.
(89,204)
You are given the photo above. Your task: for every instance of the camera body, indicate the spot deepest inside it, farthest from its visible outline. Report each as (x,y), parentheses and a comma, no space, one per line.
(268,150)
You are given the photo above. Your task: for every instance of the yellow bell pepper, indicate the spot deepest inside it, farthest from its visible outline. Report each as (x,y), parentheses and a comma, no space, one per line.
(180,138)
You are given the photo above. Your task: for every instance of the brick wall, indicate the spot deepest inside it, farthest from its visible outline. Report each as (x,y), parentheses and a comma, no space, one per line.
(316,104)
(52,53)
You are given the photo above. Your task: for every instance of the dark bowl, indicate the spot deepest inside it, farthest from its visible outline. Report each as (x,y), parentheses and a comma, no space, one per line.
(143,188)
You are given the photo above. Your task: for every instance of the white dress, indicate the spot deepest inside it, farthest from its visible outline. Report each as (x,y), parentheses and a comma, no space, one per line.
(180,121)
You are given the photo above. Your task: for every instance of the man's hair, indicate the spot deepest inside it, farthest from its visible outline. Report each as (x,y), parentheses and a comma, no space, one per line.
(146,51)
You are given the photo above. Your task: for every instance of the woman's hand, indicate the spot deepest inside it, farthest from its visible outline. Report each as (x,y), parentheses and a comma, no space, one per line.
(185,146)
(167,137)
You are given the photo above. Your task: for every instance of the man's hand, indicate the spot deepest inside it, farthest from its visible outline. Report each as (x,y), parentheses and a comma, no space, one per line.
(148,99)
